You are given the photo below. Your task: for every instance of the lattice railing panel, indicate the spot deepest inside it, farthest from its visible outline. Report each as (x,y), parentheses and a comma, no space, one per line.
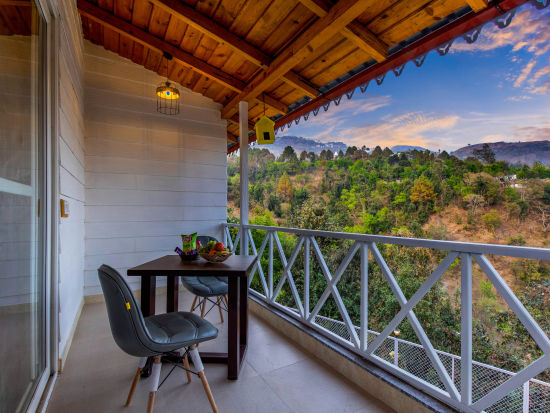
(456,379)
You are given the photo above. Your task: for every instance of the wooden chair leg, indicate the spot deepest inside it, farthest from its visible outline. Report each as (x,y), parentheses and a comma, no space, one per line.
(219,304)
(186,365)
(226,300)
(133,388)
(208,391)
(194,302)
(203,308)
(154,380)
(200,370)
(141,364)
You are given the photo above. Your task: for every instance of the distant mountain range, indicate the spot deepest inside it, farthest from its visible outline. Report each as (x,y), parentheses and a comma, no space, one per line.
(406,148)
(302,144)
(512,152)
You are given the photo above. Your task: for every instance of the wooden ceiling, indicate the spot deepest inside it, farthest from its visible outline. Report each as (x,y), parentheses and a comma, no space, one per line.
(277,51)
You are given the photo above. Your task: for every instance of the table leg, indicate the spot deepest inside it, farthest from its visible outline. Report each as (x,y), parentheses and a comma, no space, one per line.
(172,293)
(148,292)
(233,334)
(243,317)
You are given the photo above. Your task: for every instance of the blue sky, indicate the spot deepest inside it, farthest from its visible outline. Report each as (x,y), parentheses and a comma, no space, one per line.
(497,89)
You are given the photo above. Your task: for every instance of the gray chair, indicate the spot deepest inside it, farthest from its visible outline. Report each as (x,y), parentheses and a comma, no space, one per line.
(153,336)
(207,289)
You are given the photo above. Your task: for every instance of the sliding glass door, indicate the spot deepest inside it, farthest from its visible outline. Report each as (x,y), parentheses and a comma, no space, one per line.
(23,335)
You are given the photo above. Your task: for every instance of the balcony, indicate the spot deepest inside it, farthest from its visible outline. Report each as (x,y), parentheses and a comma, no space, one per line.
(94,171)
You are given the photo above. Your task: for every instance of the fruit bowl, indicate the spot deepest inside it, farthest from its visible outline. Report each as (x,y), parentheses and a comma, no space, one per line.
(215,257)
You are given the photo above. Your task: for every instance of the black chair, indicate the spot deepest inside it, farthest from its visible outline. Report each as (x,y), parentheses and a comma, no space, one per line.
(207,289)
(153,336)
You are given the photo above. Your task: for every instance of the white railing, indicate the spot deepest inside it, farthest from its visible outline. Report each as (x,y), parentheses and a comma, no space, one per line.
(459,381)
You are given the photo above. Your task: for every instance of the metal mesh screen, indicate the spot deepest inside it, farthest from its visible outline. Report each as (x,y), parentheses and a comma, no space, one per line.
(412,358)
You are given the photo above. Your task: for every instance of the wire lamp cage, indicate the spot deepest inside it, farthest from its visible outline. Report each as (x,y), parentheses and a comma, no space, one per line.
(168,97)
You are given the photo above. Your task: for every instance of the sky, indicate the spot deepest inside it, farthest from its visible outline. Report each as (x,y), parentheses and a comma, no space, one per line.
(496,89)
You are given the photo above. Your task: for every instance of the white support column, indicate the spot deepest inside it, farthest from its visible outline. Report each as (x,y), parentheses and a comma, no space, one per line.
(243,132)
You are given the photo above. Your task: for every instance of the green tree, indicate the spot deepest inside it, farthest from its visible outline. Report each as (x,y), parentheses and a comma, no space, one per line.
(492,220)
(422,191)
(285,189)
(485,154)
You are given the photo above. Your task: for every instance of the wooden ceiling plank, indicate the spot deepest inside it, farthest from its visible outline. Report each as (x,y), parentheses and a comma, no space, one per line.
(123,9)
(121,26)
(377,7)
(219,33)
(158,23)
(228,11)
(339,16)
(422,18)
(213,30)
(359,35)
(106,4)
(396,14)
(477,5)
(141,13)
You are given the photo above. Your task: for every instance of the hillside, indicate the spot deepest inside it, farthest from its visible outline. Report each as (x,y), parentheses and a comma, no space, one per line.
(515,153)
(303,144)
(423,195)
(406,148)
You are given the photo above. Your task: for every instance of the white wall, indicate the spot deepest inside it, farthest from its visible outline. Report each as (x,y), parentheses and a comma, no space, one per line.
(149,177)
(71,170)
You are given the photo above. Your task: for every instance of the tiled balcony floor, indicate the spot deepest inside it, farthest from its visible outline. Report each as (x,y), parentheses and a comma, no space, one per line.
(278,376)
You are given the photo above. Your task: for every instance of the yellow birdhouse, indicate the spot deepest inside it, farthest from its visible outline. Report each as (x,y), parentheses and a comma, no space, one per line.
(265,132)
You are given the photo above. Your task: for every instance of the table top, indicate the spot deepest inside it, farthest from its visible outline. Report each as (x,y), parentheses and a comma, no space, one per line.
(234,266)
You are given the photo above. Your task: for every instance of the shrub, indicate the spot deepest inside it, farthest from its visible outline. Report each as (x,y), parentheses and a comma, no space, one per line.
(517,240)
(527,270)
(486,289)
(491,220)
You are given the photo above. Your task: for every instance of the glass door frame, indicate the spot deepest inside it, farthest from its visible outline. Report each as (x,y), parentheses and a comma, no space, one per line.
(49,122)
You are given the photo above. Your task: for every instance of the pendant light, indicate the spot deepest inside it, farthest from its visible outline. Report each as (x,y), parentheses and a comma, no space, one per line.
(168,97)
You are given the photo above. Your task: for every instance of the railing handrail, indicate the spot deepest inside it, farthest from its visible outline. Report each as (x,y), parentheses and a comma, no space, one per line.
(458,246)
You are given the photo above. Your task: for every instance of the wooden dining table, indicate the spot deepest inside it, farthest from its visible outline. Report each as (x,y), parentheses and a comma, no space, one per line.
(236,268)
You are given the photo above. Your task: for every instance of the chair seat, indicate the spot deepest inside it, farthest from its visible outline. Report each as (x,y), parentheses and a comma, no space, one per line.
(171,331)
(205,286)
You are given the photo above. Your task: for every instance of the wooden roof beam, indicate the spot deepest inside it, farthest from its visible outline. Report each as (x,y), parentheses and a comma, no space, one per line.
(272,103)
(222,35)
(477,5)
(141,36)
(232,138)
(358,34)
(235,119)
(339,16)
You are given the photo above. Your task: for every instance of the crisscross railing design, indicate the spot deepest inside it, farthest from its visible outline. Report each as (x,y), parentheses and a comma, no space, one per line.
(460,381)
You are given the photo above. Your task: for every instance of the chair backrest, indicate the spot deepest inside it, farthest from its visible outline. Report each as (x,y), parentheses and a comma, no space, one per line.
(125,318)
(205,239)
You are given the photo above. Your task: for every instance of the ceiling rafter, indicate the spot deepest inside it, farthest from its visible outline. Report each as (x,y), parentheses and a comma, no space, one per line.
(238,45)
(339,16)
(138,35)
(477,5)
(355,32)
